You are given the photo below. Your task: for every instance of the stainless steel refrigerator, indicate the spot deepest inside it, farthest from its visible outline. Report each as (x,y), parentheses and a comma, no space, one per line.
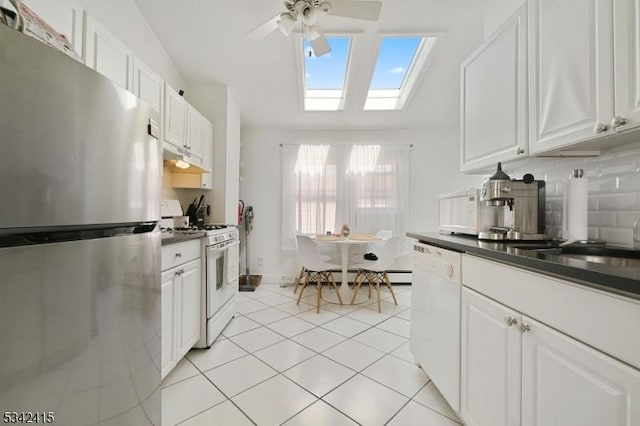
(79,247)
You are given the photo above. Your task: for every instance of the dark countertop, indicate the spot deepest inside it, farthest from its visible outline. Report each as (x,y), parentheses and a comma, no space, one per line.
(171,238)
(621,280)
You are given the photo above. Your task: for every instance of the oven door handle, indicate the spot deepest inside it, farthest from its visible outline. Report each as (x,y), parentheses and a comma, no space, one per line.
(215,249)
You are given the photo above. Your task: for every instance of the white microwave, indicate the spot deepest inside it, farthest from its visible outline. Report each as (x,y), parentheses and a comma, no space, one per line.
(463,213)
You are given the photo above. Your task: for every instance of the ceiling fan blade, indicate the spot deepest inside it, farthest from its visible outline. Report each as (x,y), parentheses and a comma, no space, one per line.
(359,9)
(263,29)
(320,45)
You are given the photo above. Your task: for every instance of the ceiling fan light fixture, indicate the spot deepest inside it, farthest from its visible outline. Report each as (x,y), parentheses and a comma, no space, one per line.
(286,23)
(325,7)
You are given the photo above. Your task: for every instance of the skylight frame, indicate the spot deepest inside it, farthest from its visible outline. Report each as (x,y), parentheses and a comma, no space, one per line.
(415,72)
(299,48)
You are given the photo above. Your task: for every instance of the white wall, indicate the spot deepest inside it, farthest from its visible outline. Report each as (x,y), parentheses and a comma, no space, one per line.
(434,170)
(496,12)
(124,20)
(216,102)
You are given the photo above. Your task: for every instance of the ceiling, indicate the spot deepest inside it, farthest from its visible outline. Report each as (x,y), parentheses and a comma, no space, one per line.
(206,40)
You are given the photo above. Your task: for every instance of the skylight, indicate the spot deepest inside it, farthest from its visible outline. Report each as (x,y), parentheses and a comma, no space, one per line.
(400,60)
(325,76)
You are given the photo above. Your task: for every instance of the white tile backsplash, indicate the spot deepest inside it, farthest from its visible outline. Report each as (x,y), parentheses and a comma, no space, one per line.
(614,191)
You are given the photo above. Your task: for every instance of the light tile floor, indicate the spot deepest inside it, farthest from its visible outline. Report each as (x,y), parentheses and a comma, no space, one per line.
(278,363)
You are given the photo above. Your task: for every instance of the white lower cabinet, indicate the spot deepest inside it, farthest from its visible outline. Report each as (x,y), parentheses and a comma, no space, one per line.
(518,371)
(490,363)
(181,301)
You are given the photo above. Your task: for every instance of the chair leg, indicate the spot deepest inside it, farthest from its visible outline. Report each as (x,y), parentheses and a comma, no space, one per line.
(356,285)
(306,281)
(319,292)
(378,279)
(300,276)
(335,287)
(388,282)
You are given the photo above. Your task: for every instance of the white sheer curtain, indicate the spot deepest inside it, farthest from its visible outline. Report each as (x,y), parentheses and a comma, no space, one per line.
(325,186)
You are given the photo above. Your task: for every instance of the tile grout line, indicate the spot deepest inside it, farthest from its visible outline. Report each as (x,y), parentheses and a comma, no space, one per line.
(316,353)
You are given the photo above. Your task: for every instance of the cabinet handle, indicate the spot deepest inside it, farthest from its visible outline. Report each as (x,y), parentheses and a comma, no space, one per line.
(600,128)
(510,320)
(178,273)
(178,254)
(524,327)
(449,271)
(618,121)
(519,151)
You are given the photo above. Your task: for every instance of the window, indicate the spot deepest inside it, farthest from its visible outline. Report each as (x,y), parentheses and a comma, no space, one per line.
(325,76)
(325,186)
(399,64)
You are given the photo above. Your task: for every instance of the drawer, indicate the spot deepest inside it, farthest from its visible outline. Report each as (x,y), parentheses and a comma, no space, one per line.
(177,254)
(603,320)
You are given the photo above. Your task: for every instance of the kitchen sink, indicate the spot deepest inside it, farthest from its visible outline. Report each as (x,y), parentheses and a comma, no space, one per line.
(611,256)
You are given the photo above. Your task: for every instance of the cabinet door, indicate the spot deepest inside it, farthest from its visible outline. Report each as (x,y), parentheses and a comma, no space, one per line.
(106,54)
(196,133)
(167,336)
(627,62)
(190,289)
(490,362)
(494,98)
(570,71)
(65,16)
(148,86)
(175,118)
(565,382)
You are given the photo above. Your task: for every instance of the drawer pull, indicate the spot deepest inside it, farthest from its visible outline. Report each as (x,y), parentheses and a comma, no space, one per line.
(178,254)
(510,320)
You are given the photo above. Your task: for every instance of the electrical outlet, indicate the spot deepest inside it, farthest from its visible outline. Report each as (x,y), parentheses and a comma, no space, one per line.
(260,261)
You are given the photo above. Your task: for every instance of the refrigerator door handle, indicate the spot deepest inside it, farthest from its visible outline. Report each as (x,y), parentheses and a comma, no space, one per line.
(153,129)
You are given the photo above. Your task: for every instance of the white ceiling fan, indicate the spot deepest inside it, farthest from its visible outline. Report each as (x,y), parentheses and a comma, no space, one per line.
(308,11)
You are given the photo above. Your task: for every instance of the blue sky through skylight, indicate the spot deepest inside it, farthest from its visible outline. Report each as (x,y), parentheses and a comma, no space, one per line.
(394,59)
(327,72)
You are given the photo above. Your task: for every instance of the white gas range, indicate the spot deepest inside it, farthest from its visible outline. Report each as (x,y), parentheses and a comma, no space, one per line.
(220,254)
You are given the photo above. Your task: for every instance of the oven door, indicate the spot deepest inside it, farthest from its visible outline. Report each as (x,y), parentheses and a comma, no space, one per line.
(222,276)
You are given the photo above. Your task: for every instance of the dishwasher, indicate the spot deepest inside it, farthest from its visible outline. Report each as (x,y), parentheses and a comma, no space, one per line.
(435,317)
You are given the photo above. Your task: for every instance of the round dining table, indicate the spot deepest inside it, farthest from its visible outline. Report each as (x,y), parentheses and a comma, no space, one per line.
(345,243)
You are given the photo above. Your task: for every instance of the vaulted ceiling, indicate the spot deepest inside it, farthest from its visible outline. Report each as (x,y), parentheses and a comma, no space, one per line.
(206,39)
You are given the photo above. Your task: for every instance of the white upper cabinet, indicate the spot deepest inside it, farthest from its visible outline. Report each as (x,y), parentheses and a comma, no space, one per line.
(627,63)
(571,72)
(175,118)
(148,86)
(106,54)
(494,98)
(65,16)
(196,133)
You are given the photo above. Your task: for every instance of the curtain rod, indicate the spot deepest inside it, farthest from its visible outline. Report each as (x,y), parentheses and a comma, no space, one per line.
(345,144)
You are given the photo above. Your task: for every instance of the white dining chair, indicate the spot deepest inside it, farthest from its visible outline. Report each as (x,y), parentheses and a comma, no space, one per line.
(375,272)
(316,269)
(298,280)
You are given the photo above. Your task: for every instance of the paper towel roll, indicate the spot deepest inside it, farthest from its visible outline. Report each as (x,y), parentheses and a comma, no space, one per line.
(577,207)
